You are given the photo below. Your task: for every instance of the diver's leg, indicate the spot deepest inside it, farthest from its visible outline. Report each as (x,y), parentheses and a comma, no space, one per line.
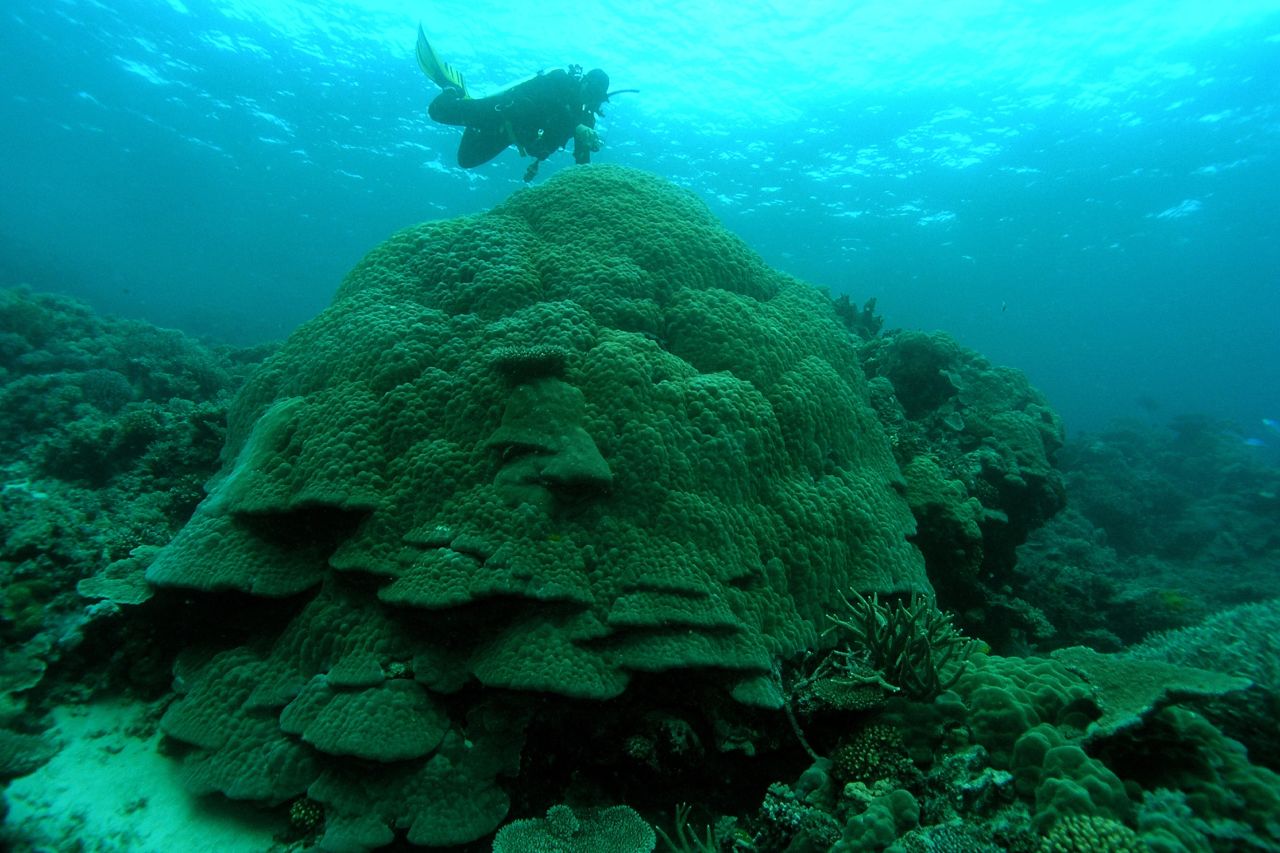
(486,134)
(449,107)
(480,146)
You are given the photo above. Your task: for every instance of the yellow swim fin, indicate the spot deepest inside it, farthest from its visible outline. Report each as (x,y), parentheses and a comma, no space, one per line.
(437,70)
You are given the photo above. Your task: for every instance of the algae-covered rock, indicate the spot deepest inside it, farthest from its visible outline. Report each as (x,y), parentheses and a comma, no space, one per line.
(545,450)
(21,753)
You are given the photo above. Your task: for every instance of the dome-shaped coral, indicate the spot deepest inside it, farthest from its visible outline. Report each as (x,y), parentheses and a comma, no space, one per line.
(586,435)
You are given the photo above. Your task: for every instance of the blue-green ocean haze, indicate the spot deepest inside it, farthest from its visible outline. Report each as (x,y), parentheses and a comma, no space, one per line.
(1085,191)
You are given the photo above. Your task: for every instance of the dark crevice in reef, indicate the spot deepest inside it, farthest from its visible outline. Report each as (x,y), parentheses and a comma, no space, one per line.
(677,745)
(315,526)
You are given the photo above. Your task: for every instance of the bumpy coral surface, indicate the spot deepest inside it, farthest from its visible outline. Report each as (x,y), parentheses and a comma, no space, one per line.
(532,453)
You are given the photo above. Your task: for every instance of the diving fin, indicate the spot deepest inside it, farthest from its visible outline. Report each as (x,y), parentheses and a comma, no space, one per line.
(437,70)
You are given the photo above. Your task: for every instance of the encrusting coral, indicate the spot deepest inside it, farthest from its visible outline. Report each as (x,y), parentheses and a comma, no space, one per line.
(538,452)
(617,829)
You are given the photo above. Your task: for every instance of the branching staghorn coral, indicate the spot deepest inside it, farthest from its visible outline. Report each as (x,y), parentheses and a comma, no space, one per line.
(687,839)
(908,647)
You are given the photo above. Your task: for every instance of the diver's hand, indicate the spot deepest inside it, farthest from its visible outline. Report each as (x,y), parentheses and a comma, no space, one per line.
(585,138)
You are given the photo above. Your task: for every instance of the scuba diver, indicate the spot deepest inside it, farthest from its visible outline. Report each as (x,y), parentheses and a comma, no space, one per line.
(538,116)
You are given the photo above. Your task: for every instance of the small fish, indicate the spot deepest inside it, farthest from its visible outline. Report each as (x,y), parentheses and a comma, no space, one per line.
(1254,442)
(1271,424)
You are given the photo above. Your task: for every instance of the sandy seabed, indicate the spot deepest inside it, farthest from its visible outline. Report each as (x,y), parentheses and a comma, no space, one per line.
(110,789)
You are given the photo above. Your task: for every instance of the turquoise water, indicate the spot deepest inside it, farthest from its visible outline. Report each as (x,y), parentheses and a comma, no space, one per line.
(1085,191)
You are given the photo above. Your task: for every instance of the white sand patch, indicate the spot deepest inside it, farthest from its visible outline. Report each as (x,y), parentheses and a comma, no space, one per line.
(110,789)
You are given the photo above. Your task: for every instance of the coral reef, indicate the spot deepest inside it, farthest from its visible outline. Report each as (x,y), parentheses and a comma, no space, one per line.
(524,459)
(976,445)
(1189,509)
(1029,754)
(1245,642)
(109,430)
(1168,524)
(1072,587)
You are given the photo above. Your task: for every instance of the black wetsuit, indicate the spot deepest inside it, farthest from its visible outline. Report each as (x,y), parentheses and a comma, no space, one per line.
(539,116)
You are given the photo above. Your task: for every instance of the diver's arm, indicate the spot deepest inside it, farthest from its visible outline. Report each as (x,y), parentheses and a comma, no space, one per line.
(585,139)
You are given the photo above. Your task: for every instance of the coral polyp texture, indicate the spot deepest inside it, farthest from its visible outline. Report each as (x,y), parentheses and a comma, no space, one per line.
(533,454)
